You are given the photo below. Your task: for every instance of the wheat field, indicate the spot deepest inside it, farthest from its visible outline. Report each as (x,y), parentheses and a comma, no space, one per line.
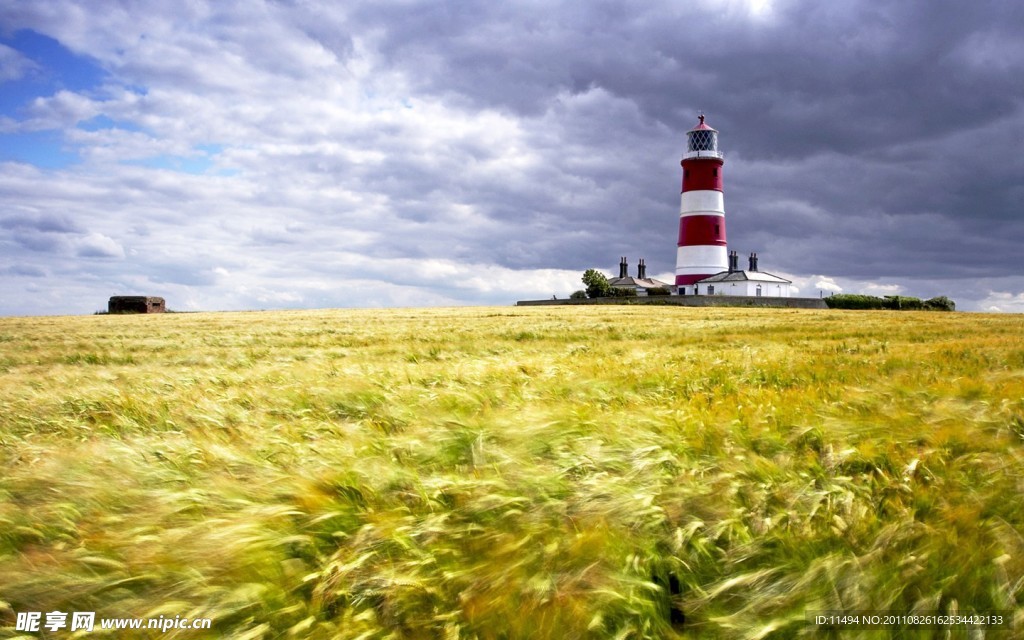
(493,473)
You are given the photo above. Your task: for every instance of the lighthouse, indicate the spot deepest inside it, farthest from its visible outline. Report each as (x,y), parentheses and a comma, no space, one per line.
(701,250)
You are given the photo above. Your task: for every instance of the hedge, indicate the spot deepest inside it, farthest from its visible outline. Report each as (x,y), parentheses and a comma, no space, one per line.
(901,303)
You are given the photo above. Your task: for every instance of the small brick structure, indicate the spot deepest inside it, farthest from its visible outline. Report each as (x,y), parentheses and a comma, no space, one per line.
(136,304)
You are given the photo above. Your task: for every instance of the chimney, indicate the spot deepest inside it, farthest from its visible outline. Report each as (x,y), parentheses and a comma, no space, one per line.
(623,268)
(641,270)
(734,261)
(753,262)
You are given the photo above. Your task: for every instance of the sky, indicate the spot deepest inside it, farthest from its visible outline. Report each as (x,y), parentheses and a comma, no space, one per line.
(258,154)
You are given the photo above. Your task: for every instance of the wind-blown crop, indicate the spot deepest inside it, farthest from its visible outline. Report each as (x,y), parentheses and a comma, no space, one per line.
(549,472)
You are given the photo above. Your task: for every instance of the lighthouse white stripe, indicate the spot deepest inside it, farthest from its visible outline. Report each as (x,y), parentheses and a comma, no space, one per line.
(693,259)
(705,201)
(706,270)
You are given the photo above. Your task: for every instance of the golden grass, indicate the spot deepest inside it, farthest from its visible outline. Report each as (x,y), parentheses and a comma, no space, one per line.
(557,472)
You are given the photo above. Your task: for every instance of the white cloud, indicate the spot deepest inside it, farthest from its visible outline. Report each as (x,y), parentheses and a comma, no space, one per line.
(1003,302)
(881,289)
(13,65)
(63,110)
(826,284)
(113,146)
(823,285)
(97,245)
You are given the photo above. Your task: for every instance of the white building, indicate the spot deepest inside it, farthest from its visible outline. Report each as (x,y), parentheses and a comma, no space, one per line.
(735,282)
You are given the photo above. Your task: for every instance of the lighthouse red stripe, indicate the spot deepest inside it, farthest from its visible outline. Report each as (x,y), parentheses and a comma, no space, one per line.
(690,279)
(702,174)
(695,230)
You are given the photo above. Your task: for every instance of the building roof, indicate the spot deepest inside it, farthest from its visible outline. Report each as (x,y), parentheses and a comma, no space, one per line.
(643,283)
(737,276)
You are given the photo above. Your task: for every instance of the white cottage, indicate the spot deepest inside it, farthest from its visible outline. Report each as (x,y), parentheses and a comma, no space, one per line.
(740,283)
(641,283)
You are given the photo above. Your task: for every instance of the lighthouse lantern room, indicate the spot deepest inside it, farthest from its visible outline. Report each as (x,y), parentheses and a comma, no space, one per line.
(701,249)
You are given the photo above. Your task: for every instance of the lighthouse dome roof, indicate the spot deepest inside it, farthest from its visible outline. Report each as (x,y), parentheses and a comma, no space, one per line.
(702,126)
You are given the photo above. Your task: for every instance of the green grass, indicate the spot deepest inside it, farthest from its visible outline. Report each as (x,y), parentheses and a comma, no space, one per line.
(550,472)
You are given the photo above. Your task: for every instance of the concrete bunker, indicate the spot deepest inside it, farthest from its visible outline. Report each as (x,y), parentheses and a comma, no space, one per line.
(136,304)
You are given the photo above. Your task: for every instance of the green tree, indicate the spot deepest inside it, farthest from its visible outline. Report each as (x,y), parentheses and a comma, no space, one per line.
(597,283)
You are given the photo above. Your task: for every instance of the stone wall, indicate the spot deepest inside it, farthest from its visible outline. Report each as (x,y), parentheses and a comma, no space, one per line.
(694,301)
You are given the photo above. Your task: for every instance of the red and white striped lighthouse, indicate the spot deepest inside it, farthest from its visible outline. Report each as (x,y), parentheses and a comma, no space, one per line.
(701,248)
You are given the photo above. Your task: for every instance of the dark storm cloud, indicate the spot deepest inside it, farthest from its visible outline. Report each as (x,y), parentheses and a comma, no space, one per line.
(44,223)
(846,76)
(22,270)
(40,242)
(899,124)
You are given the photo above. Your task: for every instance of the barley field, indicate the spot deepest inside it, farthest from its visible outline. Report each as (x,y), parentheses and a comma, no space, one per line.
(502,473)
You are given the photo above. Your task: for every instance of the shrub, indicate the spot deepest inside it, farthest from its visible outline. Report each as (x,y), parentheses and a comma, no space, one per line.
(940,303)
(621,292)
(578,295)
(659,291)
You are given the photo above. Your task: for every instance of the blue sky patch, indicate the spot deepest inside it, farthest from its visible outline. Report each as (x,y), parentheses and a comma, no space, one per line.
(44,149)
(57,68)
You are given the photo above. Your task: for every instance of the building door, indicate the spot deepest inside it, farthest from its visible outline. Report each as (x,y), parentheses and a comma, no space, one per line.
(758,290)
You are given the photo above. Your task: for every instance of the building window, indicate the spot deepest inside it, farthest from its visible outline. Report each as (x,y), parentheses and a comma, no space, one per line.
(717,232)
(711,289)
(758,289)
(715,170)
(686,173)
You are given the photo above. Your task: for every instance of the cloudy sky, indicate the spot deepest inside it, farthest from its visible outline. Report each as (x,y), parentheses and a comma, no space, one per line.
(305,153)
